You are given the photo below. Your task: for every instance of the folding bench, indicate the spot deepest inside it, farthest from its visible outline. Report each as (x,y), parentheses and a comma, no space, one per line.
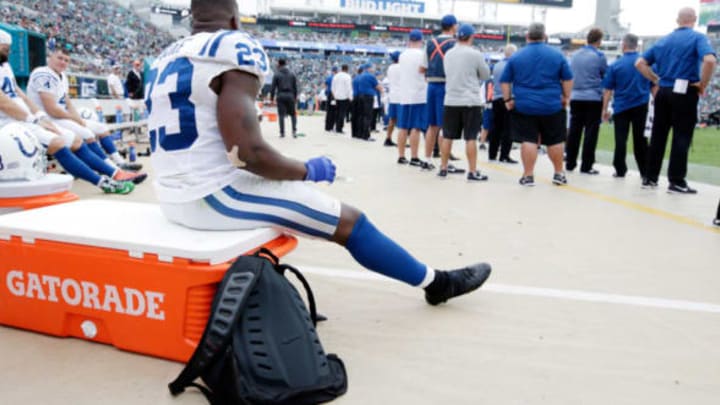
(117,273)
(24,195)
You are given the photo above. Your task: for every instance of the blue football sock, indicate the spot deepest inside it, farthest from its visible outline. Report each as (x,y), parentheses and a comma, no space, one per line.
(376,252)
(108,144)
(75,166)
(95,147)
(92,160)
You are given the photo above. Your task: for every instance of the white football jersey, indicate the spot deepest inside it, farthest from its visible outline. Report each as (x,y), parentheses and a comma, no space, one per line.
(189,155)
(46,80)
(393,78)
(7,84)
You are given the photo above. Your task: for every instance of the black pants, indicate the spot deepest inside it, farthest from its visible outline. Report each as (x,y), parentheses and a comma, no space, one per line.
(717,216)
(376,115)
(340,114)
(330,112)
(635,118)
(584,115)
(365,115)
(499,135)
(679,113)
(286,106)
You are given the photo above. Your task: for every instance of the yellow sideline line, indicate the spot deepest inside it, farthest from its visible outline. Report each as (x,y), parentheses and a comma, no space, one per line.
(617,201)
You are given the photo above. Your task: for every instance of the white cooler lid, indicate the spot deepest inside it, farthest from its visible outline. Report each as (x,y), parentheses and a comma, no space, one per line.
(51,183)
(138,228)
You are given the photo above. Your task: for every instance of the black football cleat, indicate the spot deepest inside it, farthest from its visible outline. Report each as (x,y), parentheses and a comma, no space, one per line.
(453,283)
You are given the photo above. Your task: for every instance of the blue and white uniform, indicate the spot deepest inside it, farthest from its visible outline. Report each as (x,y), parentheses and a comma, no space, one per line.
(195,181)
(45,80)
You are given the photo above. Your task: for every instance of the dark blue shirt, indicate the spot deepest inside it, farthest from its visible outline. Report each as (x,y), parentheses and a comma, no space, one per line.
(328,85)
(630,87)
(536,73)
(435,56)
(678,56)
(588,66)
(366,84)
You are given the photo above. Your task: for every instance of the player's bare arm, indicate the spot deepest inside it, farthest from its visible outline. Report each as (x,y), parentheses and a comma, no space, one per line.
(13,110)
(74,115)
(239,127)
(51,106)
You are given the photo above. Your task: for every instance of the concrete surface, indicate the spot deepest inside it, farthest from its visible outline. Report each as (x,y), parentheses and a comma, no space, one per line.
(601,293)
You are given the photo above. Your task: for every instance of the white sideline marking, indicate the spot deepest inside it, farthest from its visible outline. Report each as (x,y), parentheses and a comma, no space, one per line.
(572,295)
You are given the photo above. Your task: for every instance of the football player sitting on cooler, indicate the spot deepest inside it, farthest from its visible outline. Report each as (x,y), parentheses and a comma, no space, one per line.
(215,171)
(21,119)
(48,88)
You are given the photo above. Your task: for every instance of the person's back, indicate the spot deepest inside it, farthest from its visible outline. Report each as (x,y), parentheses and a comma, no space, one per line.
(537,90)
(393,78)
(412,86)
(286,82)
(465,72)
(189,156)
(631,89)
(588,66)
(682,52)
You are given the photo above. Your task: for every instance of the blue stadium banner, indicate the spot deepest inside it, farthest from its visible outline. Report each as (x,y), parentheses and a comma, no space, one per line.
(388,6)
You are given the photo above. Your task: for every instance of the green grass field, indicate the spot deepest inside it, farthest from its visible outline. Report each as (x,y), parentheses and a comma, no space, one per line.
(705,149)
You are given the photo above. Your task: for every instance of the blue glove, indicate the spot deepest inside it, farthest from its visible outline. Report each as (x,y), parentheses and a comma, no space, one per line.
(320,169)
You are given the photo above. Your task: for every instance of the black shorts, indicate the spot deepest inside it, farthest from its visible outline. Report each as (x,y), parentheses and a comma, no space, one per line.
(545,129)
(465,122)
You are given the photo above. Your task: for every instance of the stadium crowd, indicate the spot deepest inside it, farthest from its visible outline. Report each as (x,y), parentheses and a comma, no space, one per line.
(100,34)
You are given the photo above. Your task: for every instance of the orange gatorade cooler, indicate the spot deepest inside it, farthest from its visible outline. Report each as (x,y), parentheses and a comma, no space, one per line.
(24,195)
(117,273)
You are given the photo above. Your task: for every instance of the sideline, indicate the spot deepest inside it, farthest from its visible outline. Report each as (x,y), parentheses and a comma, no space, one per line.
(569,295)
(614,200)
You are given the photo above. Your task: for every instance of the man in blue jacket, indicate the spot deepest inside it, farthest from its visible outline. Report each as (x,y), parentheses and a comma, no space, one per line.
(630,93)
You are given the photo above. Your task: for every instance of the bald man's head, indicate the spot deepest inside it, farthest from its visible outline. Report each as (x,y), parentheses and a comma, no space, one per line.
(686,17)
(214,14)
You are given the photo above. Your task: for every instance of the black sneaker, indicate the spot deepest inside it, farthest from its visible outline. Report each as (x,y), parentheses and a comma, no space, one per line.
(454,158)
(647,183)
(477,176)
(618,175)
(591,172)
(416,162)
(455,170)
(681,189)
(131,166)
(449,284)
(559,179)
(509,160)
(716,221)
(390,143)
(527,181)
(483,146)
(442,173)
(427,166)
(402,161)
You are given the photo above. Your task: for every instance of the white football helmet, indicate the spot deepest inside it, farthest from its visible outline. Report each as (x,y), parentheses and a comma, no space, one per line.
(22,157)
(88,114)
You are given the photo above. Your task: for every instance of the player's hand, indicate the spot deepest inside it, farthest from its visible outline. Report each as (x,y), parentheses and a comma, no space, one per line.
(564,101)
(510,105)
(606,116)
(47,125)
(320,169)
(700,87)
(654,89)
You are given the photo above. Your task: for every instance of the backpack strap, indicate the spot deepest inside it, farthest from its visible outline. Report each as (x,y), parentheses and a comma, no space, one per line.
(308,290)
(227,306)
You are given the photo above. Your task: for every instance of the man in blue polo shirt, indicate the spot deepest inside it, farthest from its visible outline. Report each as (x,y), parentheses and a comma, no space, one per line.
(588,66)
(330,104)
(432,66)
(630,93)
(536,85)
(676,59)
(367,89)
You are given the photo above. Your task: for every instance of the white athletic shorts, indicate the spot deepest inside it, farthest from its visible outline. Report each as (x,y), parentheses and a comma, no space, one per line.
(255,202)
(86,132)
(45,136)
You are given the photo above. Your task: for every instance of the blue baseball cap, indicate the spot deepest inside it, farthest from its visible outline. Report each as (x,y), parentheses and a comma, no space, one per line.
(395,56)
(448,21)
(416,35)
(334,68)
(465,31)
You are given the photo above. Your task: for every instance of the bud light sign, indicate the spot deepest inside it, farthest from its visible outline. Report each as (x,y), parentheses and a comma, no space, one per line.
(385,6)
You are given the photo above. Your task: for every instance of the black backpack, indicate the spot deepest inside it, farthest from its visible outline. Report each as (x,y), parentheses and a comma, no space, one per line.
(260,345)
